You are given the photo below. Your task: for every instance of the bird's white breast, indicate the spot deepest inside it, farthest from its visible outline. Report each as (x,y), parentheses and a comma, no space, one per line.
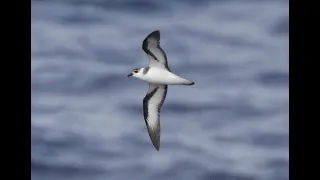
(161,76)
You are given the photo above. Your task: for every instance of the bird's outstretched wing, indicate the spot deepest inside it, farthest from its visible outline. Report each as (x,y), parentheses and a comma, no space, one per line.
(151,46)
(152,104)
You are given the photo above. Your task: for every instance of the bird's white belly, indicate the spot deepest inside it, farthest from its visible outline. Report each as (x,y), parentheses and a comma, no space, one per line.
(160,76)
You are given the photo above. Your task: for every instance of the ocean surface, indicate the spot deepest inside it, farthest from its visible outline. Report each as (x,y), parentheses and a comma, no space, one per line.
(87,121)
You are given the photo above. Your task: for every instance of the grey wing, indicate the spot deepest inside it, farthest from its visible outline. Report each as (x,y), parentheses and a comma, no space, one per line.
(151,46)
(152,104)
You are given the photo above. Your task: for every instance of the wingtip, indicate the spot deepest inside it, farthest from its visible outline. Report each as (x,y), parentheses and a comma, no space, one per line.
(155,34)
(157,31)
(157,148)
(154,134)
(156,144)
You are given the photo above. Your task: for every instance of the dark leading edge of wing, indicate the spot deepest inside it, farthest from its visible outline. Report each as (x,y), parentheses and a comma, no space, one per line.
(151,46)
(152,104)
(155,35)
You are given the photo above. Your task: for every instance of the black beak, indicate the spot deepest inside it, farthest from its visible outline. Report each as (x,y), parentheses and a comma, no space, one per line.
(129,74)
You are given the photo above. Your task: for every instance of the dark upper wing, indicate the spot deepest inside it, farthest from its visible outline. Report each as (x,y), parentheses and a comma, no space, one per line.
(152,104)
(151,46)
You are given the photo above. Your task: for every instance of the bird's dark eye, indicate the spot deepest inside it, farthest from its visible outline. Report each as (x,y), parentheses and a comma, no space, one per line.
(135,71)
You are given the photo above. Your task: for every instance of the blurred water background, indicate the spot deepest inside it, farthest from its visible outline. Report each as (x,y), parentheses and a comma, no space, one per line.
(87,121)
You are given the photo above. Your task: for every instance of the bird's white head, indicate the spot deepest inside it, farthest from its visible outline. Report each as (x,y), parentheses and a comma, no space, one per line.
(137,73)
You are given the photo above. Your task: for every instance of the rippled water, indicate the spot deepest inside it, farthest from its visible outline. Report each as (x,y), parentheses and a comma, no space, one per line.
(87,121)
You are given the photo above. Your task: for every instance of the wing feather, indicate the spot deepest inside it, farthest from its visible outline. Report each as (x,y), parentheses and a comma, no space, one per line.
(152,104)
(157,56)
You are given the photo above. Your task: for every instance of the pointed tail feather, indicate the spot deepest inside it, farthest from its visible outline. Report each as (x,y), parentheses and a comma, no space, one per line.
(188,83)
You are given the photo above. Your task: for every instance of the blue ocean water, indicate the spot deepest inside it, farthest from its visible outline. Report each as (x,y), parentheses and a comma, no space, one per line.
(87,121)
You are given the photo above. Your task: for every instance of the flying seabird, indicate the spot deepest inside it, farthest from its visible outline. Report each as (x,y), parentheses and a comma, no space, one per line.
(159,76)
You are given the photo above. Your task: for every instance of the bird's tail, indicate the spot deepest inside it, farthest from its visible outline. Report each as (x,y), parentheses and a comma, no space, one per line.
(190,83)
(187,82)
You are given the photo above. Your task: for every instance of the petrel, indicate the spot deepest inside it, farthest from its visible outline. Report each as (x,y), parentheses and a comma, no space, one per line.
(159,76)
